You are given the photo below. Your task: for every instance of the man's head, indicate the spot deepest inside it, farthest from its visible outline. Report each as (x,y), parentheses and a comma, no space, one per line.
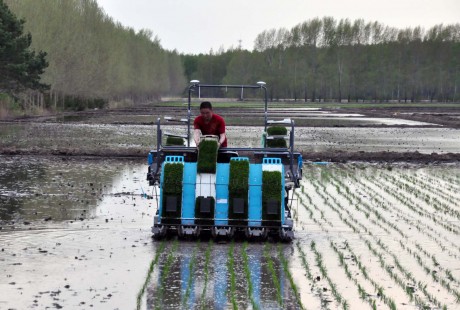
(206,110)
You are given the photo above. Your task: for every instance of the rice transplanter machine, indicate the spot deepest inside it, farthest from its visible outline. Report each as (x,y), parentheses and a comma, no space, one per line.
(225,191)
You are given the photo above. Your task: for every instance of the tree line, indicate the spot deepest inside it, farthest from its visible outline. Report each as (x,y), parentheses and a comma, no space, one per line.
(342,60)
(93,59)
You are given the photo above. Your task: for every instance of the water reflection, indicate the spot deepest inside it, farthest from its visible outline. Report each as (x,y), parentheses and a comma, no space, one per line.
(96,263)
(42,189)
(184,280)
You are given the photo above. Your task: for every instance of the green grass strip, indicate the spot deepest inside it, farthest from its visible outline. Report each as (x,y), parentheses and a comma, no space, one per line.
(149,274)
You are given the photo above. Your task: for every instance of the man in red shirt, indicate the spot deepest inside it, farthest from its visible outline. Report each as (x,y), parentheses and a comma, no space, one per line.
(209,123)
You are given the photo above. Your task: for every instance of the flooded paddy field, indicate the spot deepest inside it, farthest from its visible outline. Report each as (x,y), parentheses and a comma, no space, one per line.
(110,140)
(75,233)
(75,217)
(327,133)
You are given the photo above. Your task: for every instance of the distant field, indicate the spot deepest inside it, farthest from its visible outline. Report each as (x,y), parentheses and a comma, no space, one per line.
(325,105)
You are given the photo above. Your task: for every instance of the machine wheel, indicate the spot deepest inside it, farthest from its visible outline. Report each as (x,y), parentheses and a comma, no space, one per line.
(286,235)
(159,232)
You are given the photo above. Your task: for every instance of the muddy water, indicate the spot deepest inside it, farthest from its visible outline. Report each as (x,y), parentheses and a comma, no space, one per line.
(76,234)
(80,139)
(310,139)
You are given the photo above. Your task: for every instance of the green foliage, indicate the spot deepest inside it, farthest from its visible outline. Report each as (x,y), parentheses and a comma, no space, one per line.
(20,68)
(276,131)
(207,157)
(92,56)
(271,190)
(73,103)
(324,59)
(174,141)
(8,105)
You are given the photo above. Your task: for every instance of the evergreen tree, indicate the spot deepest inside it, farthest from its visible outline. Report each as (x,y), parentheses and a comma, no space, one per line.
(20,68)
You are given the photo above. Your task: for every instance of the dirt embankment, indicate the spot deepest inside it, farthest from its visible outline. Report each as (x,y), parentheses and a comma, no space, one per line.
(414,157)
(443,116)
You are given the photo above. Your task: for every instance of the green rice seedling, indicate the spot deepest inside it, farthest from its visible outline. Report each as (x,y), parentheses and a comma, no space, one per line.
(284,263)
(449,275)
(247,273)
(174,141)
(271,192)
(149,274)
(191,269)
(207,156)
(457,296)
(319,262)
(304,262)
(380,293)
(172,186)
(276,131)
(231,268)
(274,276)
(165,273)
(238,188)
(206,273)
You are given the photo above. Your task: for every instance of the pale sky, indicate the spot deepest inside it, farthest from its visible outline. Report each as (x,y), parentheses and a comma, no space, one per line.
(196,26)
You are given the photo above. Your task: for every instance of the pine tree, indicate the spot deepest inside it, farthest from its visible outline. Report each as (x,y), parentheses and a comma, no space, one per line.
(20,68)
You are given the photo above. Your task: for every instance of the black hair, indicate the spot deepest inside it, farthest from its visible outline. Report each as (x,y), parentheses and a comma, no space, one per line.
(206,105)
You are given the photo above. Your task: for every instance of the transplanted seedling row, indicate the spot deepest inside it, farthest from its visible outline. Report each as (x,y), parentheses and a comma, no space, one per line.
(233,275)
(380,211)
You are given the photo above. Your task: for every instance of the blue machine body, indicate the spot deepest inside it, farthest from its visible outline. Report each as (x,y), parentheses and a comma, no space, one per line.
(221,206)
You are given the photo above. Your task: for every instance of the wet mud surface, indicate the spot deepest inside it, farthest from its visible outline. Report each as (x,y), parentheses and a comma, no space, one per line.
(421,134)
(72,233)
(75,234)
(75,230)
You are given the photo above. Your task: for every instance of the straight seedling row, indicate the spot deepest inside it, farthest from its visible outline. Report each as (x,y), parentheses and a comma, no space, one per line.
(397,279)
